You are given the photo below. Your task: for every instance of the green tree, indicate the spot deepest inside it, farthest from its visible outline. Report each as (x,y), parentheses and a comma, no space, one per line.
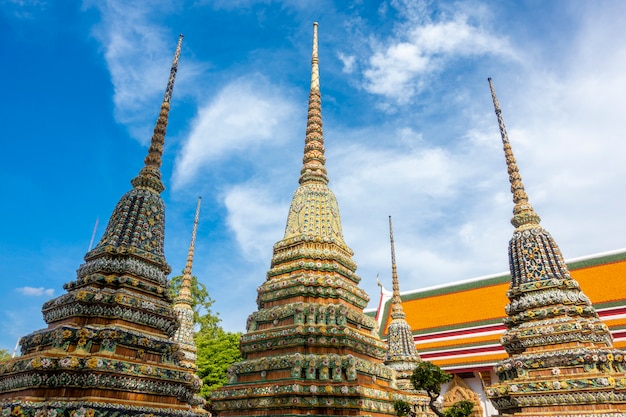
(402,408)
(4,355)
(201,302)
(217,349)
(429,378)
(216,352)
(460,409)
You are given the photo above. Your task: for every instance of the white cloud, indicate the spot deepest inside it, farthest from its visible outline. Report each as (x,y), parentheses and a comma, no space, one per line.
(255,216)
(247,115)
(450,201)
(348,62)
(36,292)
(398,67)
(139,52)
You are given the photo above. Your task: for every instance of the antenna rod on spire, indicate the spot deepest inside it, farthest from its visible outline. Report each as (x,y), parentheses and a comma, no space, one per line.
(498,110)
(315,69)
(170,83)
(393,250)
(93,234)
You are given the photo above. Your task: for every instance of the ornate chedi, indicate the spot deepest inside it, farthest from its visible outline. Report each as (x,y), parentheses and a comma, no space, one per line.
(309,349)
(401,353)
(183,305)
(107,350)
(183,309)
(561,357)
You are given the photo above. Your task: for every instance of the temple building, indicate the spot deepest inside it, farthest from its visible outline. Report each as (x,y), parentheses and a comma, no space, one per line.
(529,343)
(553,351)
(108,348)
(465,340)
(310,349)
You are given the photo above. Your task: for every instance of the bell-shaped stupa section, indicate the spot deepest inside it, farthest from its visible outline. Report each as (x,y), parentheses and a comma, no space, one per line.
(309,349)
(561,356)
(107,350)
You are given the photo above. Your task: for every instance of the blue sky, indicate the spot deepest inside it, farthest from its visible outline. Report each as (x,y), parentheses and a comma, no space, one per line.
(408,122)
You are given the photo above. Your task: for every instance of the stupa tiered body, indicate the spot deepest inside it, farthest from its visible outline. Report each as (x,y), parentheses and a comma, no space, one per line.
(561,357)
(309,349)
(107,350)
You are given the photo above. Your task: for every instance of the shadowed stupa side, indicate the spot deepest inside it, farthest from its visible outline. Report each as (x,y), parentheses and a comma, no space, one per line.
(107,350)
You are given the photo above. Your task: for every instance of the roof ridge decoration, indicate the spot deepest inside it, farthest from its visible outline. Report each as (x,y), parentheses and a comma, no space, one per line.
(401,352)
(108,348)
(184,336)
(548,318)
(309,348)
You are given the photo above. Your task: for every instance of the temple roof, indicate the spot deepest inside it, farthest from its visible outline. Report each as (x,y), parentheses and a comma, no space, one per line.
(467,337)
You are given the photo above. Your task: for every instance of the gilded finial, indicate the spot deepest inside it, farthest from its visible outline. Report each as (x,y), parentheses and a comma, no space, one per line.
(315,70)
(150,175)
(184,293)
(397,312)
(523,213)
(313,163)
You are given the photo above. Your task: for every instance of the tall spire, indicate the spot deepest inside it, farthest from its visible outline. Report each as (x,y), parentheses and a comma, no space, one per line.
(150,174)
(554,338)
(183,305)
(401,352)
(138,221)
(184,294)
(314,211)
(313,163)
(524,215)
(397,312)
